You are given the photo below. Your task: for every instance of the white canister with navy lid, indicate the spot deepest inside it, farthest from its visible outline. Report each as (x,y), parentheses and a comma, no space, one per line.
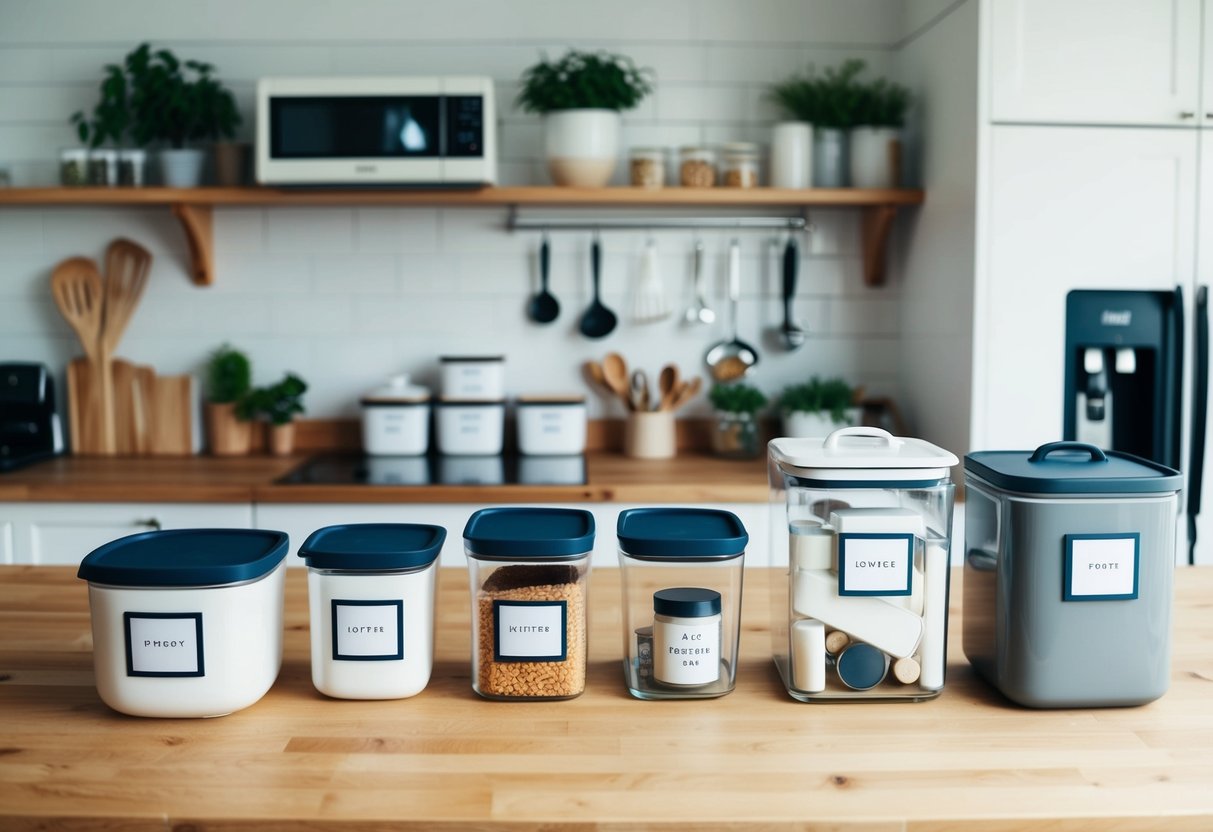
(187,622)
(681,571)
(371,601)
(866,519)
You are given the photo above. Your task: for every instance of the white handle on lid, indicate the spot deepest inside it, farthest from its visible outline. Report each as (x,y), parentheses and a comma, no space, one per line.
(833,440)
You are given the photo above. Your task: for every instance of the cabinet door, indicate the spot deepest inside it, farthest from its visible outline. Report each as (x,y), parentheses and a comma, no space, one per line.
(1204,463)
(1068,208)
(1094,61)
(59,534)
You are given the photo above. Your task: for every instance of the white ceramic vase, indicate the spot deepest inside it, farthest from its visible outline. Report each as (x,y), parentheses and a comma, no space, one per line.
(792,155)
(581,146)
(814,423)
(876,157)
(181,168)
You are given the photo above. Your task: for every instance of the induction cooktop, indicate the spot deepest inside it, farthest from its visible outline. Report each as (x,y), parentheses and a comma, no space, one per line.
(437,469)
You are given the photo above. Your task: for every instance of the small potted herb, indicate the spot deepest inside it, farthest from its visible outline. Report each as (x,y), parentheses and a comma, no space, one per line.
(110,121)
(580,97)
(876,140)
(735,432)
(228,381)
(279,404)
(817,407)
(829,102)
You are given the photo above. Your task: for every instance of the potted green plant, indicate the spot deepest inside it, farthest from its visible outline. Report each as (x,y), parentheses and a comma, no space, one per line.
(278,404)
(580,97)
(876,139)
(177,102)
(110,122)
(817,407)
(219,118)
(735,432)
(830,103)
(228,381)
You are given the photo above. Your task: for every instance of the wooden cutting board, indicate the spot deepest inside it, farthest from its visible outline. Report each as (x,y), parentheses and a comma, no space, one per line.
(153,416)
(171,416)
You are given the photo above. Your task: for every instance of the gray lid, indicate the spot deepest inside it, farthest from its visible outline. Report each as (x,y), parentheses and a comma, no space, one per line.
(1072,468)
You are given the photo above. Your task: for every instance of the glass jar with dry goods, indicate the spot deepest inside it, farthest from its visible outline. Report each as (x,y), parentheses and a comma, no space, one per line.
(696,167)
(73,162)
(681,571)
(860,605)
(646,167)
(529,570)
(740,165)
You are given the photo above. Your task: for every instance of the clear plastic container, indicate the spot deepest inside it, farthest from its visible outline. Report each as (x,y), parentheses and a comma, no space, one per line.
(740,165)
(696,167)
(370,593)
(681,578)
(646,167)
(860,609)
(529,570)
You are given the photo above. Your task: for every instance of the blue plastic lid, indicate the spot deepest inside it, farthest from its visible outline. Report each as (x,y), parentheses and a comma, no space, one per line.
(861,666)
(1072,468)
(686,602)
(529,533)
(373,546)
(186,557)
(677,533)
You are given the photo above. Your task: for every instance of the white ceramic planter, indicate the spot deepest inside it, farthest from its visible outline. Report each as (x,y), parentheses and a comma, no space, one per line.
(792,155)
(581,146)
(551,426)
(831,168)
(181,168)
(811,423)
(876,157)
(470,428)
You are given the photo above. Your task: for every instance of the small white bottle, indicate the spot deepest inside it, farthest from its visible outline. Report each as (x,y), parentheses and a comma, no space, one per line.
(686,636)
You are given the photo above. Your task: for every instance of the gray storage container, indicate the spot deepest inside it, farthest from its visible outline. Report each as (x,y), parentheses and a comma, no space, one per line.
(1069,555)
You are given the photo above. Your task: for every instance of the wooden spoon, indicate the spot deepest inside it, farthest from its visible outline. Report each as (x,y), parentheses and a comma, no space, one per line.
(615,372)
(594,375)
(668,384)
(77,289)
(688,391)
(126,268)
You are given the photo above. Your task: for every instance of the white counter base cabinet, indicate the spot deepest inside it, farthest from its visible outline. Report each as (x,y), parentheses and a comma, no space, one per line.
(299,520)
(61,534)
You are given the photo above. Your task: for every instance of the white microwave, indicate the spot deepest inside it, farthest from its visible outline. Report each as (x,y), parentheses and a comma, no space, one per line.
(376,132)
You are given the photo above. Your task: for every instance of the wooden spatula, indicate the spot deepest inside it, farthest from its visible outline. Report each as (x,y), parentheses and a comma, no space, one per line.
(127,265)
(77,289)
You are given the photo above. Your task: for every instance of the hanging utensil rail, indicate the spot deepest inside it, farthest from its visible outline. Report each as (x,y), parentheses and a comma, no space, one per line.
(516,222)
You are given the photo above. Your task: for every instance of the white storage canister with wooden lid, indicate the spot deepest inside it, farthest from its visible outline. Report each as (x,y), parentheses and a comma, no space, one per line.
(551,425)
(396,419)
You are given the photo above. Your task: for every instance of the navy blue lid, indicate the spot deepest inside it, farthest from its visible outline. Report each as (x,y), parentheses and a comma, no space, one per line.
(186,557)
(529,533)
(861,666)
(686,602)
(373,546)
(676,533)
(1072,468)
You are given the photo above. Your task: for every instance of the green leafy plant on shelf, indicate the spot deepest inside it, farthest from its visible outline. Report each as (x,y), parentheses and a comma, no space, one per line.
(111,118)
(829,100)
(831,395)
(279,403)
(737,398)
(882,103)
(229,376)
(177,101)
(584,80)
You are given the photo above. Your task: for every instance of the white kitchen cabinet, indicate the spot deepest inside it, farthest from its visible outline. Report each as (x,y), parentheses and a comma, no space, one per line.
(1120,62)
(1069,208)
(58,534)
(300,520)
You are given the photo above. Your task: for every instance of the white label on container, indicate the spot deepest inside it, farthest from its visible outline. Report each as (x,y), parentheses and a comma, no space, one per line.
(368,631)
(1101,567)
(163,643)
(686,654)
(875,563)
(529,631)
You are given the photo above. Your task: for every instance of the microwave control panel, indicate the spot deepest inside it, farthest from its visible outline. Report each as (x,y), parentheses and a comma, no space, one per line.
(464,126)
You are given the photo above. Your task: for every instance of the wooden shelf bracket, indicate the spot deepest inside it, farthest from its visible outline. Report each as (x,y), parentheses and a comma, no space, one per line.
(877,223)
(196,222)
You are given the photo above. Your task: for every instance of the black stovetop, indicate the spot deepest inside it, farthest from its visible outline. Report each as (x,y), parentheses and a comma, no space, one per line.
(437,469)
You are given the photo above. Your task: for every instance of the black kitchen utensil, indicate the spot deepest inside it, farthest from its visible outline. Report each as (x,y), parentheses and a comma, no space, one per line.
(793,335)
(543,308)
(598,321)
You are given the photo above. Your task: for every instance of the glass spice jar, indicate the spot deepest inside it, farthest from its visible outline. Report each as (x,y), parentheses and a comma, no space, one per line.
(740,166)
(696,167)
(646,167)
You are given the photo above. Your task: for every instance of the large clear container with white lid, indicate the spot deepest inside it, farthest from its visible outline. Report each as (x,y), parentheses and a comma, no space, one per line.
(861,528)
(186,622)
(681,577)
(370,593)
(529,570)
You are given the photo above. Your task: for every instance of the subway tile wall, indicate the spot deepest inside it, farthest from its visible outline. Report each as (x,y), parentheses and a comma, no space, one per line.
(348,296)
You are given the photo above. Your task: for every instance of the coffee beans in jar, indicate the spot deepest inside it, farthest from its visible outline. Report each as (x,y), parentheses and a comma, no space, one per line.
(740,165)
(696,167)
(646,166)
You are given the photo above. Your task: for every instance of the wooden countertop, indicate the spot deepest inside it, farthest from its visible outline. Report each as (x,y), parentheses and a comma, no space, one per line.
(966,761)
(690,478)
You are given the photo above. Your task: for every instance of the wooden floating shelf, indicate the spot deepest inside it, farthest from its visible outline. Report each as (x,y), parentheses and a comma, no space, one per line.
(193,206)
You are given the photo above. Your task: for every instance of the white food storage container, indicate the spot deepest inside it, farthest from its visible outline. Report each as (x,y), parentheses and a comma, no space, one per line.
(396,419)
(473,377)
(551,425)
(470,428)
(861,609)
(188,622)
(370,590)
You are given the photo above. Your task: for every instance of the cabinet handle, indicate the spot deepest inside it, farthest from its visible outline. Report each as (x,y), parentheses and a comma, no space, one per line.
(1187,114)
(152,523)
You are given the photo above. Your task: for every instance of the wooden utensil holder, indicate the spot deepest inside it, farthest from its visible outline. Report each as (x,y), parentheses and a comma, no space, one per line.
(650,435)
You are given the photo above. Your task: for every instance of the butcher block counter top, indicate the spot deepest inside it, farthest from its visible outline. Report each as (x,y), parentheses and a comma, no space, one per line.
(967,761)
(611,477)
